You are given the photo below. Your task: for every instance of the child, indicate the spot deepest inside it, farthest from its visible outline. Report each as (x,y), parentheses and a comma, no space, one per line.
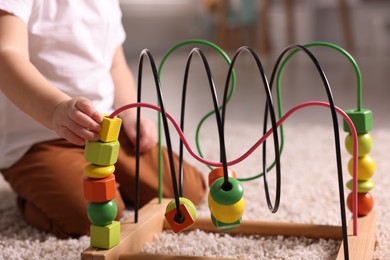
(61,66)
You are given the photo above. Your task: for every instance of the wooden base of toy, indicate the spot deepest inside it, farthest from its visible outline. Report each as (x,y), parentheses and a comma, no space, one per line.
(151,221)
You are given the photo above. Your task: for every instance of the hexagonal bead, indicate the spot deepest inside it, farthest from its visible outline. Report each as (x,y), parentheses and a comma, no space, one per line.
(110,128)
(100,153)
(361,119)
(105,237)
(100,190)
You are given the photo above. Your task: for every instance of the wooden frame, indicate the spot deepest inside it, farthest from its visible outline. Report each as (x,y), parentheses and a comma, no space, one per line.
(151,221)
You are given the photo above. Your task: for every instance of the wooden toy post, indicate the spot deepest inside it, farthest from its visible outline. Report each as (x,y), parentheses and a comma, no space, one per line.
(151,221)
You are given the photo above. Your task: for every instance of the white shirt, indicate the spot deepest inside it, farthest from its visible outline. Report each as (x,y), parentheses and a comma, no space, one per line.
(72,43)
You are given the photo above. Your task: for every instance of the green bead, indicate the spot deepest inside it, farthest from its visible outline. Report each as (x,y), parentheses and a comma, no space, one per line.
(102,214)
(364,142)
(188,203)
(225,226)
(229,195)
(361,119)
(100,153)
(363,186)
(105,237)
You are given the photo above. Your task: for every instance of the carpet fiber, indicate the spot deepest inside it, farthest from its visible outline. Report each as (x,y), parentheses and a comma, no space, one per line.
(309,195)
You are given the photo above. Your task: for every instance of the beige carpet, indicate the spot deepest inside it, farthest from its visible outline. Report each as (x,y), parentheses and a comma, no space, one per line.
(309,195)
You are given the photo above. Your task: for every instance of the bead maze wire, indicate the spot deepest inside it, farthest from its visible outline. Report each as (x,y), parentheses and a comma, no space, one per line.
(220,118)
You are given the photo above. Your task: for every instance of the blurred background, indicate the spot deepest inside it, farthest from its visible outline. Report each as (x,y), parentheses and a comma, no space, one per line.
(360,26)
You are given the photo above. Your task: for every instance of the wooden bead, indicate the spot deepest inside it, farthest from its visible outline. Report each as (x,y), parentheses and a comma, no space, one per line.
(188,203)
(100,190)
(100,153)
(366,167)
(225,226)
(97,171)
(226,213)
(179,223)
(363,186)
(365,203)
(103,213)
(105,237)
(362,120)
(217,173)
(364,144)
(110,128)
(228,195)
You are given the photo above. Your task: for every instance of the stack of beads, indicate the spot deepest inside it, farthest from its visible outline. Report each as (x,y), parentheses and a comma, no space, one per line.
(100,185)
(366,166)
(226,201)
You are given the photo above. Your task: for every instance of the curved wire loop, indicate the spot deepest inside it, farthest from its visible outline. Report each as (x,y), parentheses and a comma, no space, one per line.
(146,53)
(275,206)
(216,107)
(335,129)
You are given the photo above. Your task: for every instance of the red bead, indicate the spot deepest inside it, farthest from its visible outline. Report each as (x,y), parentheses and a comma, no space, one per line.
(365,203)
(217,173)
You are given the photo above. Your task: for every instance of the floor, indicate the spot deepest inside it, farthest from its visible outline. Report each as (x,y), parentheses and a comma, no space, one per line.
(300,83)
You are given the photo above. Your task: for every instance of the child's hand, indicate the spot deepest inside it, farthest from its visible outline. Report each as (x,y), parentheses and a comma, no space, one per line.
(148,132)
(77,120)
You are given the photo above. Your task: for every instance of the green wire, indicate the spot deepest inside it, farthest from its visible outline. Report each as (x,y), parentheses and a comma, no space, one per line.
(232,89)
(233,86)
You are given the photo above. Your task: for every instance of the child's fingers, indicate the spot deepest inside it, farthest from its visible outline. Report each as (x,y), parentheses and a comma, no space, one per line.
(87,108)
(85,115)
(70,126)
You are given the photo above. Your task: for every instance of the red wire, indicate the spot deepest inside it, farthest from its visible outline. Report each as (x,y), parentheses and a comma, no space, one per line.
(263,138)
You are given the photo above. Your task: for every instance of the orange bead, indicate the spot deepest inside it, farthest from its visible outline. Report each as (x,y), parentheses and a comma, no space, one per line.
(365,203)
(100,190)
(179,224)
(217,173)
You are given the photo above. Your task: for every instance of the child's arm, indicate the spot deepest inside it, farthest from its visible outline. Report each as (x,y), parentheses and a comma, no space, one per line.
(125,93)
(73,119)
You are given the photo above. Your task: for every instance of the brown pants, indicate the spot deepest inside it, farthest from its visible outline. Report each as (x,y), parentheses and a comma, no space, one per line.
(48,181)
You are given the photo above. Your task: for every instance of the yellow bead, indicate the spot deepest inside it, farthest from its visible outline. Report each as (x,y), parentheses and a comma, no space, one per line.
(366,167)
(364,144)
(110,128)
(98,172)
(226,213)
(189,205)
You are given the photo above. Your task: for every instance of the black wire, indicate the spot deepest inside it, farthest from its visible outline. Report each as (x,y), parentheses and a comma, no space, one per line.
(213,91)
(274,208)
(146,53)
(335,129)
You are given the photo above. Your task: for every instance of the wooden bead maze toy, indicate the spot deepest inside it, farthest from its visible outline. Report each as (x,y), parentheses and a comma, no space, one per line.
(125,240)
